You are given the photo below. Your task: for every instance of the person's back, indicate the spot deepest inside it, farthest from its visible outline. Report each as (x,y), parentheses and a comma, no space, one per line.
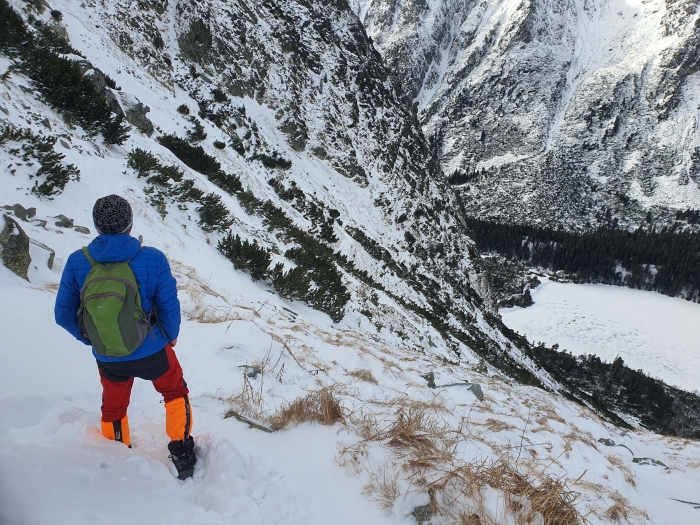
(153,359)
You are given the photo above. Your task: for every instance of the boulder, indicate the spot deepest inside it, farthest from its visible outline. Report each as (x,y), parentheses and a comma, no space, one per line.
(477,391)
(135,113)
(63,221)
(21,212)
(423,513)
(430,378)
(14,248)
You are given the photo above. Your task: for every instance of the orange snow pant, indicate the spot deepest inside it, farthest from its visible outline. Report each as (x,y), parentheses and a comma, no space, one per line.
(163,369)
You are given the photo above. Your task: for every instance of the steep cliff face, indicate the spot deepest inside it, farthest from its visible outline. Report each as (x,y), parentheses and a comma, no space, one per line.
(568,108)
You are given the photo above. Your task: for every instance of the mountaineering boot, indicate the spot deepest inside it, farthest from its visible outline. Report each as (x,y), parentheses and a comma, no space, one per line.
(182,454)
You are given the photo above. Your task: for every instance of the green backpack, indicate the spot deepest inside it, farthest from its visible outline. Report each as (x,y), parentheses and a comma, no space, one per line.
(110,313)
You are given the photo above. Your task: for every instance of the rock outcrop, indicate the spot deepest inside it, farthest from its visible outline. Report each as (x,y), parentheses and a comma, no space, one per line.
(14,247)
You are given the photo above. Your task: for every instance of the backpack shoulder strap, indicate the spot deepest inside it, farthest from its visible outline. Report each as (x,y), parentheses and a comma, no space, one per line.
(92,261)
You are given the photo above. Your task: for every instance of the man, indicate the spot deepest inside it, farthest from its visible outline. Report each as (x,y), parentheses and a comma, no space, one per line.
(145,335)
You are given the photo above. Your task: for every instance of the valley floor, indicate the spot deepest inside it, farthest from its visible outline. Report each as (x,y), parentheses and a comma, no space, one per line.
(659,334)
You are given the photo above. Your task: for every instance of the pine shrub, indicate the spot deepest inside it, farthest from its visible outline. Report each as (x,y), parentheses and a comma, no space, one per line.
(293,284)
(115,131)
(53,174)
(143,162)
(58,80)
(275,160)
(196,158)
(197,133)
(246,256)
(213,214)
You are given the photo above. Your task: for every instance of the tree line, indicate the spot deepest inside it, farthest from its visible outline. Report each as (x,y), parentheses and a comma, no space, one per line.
(665,260)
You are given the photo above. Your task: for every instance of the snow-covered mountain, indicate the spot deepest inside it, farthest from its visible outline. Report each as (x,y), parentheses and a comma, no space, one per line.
(554,112)
(437,409)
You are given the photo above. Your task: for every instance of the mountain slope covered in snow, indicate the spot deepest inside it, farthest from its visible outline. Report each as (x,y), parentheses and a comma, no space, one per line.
(307,151)
(554,112)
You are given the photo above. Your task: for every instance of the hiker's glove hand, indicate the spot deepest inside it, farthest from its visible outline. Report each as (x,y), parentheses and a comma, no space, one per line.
(173,343)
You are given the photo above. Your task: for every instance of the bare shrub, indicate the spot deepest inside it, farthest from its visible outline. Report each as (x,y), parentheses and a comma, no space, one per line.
(316,407)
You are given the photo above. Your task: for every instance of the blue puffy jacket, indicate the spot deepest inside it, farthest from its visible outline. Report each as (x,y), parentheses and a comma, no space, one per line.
(156,286)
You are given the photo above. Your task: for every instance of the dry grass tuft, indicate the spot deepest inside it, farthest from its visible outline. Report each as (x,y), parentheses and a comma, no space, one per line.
(497,425)
(316,407)
(364,375)
(49,287)
(468,518)
(422,445)
(618,510)
(208,314)
(412,432)
(383,489)
(526,497)
(629,476)
(622,509)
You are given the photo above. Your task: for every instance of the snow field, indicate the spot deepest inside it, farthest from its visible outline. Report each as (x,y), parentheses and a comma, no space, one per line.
(659,334)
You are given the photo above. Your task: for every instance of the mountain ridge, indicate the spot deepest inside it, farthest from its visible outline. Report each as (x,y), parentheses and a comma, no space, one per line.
(573,108)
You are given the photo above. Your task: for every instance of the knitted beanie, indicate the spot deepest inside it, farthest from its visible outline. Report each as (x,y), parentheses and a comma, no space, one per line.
(112,214)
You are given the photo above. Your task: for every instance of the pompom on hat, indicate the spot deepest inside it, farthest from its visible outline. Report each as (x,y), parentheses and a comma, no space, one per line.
(112,214)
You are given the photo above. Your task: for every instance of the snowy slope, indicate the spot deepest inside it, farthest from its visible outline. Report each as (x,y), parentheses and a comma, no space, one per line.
(570,107)
(652,332)
(51,451)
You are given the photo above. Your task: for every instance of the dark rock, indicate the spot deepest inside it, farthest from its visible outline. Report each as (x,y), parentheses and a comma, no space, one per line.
(196,43)
(63,221)
(14,248)
(523,300)
(135,113)
(46,123)
(649,461)
(82,229)
(476,390)
(423,514)
(251,370)
(20,212)
(430,377)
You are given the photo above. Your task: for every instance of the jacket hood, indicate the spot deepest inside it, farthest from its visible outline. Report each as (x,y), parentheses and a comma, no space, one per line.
(108,248)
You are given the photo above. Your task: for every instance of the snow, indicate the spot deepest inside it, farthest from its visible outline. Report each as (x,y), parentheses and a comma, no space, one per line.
(659,334)
(56,467)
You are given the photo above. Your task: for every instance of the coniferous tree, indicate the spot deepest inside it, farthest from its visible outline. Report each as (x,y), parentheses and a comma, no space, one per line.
(115,131)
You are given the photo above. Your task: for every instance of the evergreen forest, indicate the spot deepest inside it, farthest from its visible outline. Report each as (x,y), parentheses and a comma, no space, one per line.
(665,260)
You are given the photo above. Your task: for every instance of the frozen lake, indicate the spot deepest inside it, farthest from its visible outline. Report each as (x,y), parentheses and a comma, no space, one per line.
(659,334)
